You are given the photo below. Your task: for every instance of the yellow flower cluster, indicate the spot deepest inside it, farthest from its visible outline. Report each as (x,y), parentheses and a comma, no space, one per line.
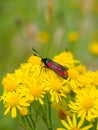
(32,81)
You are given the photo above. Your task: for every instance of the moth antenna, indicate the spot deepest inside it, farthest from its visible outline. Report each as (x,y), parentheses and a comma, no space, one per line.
(36,53)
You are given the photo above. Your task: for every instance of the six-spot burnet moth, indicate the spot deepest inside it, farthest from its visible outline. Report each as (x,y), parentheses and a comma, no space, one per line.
(56,67)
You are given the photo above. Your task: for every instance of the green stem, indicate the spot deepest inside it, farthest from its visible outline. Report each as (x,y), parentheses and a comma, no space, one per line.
(31,119)
(37,112)
(29,123)
(33,123)
(43,116)
(49,114)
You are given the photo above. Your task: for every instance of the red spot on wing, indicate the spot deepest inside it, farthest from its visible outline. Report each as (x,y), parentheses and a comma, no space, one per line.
(63,73)
(50,64)
(57,68)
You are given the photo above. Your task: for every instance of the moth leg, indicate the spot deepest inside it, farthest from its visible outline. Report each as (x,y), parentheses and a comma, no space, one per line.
(43,68)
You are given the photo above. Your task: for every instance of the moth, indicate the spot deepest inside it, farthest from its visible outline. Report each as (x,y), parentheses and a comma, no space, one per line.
(56,67)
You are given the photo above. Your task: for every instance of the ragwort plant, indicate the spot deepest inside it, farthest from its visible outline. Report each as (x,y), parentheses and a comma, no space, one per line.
(32,92)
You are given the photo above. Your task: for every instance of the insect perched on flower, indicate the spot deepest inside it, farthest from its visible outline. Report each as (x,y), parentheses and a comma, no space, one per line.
(56,67)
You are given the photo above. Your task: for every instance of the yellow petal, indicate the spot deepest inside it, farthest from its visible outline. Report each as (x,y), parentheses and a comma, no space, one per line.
(74,120)
(60,129)
(7,110)
(69,121)
(41,101)
(13,112)
(65,124)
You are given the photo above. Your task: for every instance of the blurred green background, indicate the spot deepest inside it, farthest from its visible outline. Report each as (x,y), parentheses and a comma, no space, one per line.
(50,26)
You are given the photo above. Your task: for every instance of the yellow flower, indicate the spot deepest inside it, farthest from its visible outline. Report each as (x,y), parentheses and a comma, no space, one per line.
(43,37)
(80,77)
(73,124)
(74,85)
(56,90)
(66,59)
(73,37)
(73,73)
(93,48)
(9,82)
(61,114)
(31,85)
(73,76)
(55,86)
(34,60)
(35,90)
(13,102)
(81,69)
(86,103)
(88,78)
(30,70)
(24,111)
(62,110)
